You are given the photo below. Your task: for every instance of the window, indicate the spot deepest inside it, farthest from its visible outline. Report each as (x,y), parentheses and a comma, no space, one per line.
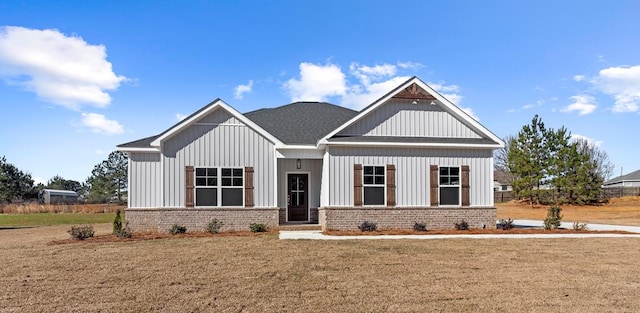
(373,185)
(219,187)
(450,186)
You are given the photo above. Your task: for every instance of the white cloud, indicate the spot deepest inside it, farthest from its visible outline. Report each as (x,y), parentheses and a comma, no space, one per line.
(242,89)
(578,78)
(593,142)
(409,65)
(180,116)
(451,92)
(583,104)
(623,84)
(369,83)
(65,70)
(470,112)
(98,123)
(362,94)
(317,83)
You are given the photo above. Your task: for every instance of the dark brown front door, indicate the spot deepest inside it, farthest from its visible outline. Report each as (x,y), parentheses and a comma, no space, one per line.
(297,197)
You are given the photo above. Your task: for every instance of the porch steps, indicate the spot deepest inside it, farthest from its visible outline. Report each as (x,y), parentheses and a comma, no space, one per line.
(299,226)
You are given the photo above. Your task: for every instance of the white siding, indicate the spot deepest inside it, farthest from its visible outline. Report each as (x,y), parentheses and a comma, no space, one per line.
(145,189)
(311,167)
(402,118)
(412,172)
(218,140)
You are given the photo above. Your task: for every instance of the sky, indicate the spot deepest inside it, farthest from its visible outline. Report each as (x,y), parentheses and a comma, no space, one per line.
(78,78)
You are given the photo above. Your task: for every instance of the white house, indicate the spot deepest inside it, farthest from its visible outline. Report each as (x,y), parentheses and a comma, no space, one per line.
(410,156)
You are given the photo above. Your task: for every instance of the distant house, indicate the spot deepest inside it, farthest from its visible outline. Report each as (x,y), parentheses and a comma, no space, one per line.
(53,196)
(410,156)
(624,185)
(501,181)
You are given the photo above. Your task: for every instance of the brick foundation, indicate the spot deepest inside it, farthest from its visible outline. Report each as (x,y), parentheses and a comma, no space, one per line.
(161,219)
(349,218)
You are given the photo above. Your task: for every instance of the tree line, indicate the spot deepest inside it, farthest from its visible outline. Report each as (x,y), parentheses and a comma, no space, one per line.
(107,182)
(546,165)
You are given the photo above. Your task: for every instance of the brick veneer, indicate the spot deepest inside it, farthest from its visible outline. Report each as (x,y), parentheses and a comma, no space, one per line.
(161,219)
(348,218)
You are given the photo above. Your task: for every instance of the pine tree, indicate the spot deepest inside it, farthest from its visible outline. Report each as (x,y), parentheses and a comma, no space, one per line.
(528,158)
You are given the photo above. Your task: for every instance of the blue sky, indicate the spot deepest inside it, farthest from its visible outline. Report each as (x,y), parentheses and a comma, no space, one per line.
(79,77)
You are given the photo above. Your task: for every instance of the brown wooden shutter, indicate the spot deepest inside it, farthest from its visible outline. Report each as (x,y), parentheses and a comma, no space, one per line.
(433,185)
(357,185)
(189,180)
(248,187)
(465,185)
(391,185)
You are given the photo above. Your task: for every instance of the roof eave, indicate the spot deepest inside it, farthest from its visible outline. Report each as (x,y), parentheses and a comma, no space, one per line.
(413,144)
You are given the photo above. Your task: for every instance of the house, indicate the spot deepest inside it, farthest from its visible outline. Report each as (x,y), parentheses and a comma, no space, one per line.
(410,156)
(501,181)
(624,185)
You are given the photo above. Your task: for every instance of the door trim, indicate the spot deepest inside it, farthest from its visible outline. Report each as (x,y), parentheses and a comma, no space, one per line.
(308,194)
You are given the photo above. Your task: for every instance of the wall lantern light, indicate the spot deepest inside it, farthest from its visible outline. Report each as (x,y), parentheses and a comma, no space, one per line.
(298,164)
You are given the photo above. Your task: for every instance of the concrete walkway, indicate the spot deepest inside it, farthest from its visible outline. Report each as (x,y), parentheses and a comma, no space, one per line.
(317,235)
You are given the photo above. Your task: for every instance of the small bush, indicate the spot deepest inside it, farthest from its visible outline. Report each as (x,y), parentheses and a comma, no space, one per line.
(258,228)
(124,232)
(117,223)
(81,232)
(214,226)
(419,226)
(462,225)
(579,226)
(368,226)
(505,224)
(177,229)
(553,219)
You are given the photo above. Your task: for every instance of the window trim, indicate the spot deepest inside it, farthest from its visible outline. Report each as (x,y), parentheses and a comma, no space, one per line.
(458,186)
(219,186)
(383,185)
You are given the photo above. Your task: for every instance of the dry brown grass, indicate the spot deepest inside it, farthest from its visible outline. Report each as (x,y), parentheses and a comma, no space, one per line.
(264,274)
(25,208)
(621,211)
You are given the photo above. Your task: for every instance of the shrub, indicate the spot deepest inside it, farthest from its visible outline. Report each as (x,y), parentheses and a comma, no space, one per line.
(368,226)
(505,224)
(81,232)
(462,225)
(117,223)
(552,221)
(258,228)
(419,226)
(214,226)
(177,229)
(579,226)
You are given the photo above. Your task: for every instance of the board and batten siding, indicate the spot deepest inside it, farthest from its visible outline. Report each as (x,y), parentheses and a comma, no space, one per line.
(218,140)
(145,189)
(311,167)
(412,172)
(402,118)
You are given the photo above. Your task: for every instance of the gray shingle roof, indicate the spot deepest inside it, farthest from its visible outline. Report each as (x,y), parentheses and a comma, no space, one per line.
(140,143)
(633,176)
(301,123)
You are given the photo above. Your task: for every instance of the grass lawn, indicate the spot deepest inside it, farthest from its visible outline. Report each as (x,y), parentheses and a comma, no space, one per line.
(47,219)
(264,274)
(620,211)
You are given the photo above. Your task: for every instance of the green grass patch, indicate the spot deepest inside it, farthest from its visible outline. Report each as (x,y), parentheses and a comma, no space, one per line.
(48,219)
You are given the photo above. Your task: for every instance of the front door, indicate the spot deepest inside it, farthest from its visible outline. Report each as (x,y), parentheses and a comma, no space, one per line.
(297,197)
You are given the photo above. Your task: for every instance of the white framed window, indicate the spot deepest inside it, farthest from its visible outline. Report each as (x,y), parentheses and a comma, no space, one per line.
(219,187)
(449,185)
(373,185)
